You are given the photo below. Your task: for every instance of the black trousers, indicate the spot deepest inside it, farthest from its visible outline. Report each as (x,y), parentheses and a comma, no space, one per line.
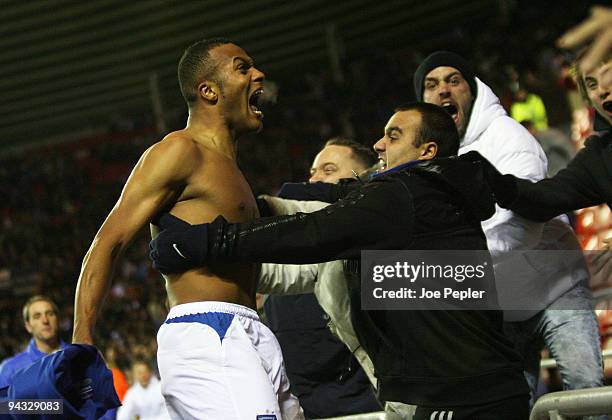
(516,408)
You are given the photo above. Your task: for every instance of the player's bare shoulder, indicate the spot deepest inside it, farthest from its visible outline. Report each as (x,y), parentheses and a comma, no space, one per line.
(180,146)
(176,156)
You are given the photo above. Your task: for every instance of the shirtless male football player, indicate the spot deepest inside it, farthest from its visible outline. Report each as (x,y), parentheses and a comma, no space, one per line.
(216,359)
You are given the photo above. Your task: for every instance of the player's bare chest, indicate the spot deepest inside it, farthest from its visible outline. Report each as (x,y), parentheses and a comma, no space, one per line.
(225,188)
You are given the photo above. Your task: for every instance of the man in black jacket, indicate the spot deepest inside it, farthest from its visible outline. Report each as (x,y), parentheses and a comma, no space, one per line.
(456,362)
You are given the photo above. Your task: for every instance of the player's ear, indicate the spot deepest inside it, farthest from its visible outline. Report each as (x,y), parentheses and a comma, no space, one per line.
(209,91)
(27,327)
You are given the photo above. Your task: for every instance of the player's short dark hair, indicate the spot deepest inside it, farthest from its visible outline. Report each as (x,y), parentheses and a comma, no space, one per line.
(196,65)
(37,298)
(362,154)
(436,125)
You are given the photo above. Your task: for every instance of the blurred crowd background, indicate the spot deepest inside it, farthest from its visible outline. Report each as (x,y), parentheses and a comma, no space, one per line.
(54,197)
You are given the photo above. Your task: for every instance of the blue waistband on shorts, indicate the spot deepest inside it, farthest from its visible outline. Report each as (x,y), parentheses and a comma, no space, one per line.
(218,321)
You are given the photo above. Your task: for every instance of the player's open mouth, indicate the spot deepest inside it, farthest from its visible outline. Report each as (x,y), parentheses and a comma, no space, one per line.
(254,103)
(607,106)
(452,111)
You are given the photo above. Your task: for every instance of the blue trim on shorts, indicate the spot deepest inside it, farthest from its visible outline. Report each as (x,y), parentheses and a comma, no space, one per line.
(218,321)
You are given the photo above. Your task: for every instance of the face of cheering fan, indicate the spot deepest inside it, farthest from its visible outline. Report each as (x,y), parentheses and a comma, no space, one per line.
(398,145)
(599,93)
(446,87)
(333,163)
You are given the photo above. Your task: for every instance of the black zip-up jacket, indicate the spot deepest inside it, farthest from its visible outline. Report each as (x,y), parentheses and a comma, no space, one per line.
(429,358)
(586,182)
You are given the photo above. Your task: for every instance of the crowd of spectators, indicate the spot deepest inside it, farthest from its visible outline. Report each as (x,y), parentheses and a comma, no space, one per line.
(53,202)
(54,199)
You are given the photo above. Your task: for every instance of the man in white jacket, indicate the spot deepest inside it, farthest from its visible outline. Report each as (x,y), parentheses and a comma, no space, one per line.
(144,399)
(538,266)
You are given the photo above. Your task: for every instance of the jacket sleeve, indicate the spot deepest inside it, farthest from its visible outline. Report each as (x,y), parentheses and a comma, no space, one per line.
(571,189)
(287,279)
(377,216)
(281,206)
(319,191)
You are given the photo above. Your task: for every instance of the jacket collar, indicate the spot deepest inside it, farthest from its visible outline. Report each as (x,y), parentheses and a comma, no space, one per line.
(397,168)
(35,352)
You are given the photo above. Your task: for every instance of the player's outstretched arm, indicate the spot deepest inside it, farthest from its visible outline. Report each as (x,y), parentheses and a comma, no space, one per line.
(155,182)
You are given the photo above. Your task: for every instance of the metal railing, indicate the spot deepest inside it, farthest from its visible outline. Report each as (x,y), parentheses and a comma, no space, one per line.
(569,404)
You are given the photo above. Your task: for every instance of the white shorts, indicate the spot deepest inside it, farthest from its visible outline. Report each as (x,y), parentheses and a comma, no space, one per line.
(218,361)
